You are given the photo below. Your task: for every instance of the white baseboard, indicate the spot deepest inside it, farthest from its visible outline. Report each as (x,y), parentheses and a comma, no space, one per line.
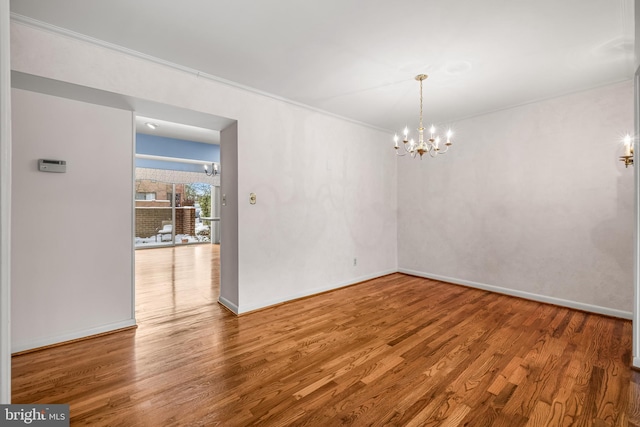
(252,307)
(526,295)
(636,362)
(228,304)
(43,342)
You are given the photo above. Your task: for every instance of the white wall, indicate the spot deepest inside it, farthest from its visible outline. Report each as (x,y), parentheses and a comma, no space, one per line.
(229,293)
(326,187)
(325,195)
(636,46)
(72,266)
(5,206)
(531,201)
(636,298)
(636,179)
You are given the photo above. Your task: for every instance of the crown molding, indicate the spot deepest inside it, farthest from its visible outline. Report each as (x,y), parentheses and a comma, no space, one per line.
(34,23)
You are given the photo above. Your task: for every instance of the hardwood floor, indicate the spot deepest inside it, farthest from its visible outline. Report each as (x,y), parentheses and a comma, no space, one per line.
(398,350)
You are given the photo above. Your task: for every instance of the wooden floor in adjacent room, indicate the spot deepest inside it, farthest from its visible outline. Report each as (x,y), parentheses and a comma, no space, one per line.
(398,350)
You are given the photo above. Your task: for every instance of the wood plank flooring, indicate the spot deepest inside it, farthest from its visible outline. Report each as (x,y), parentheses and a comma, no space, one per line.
(397,351)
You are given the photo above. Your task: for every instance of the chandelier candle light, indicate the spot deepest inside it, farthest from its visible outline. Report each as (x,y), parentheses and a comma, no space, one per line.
(628,152)
(432,145)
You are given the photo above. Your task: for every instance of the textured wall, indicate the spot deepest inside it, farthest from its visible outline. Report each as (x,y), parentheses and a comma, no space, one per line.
(530,199)
(326,187)
(229,252)
(72,268)
(5,194)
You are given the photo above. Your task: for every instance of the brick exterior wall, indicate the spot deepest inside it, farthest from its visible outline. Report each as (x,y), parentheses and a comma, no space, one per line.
(149,219)
(186,221)
(162,190)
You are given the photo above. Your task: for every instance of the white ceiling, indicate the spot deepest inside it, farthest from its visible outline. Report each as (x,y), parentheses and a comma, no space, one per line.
(358,58)
(177,130)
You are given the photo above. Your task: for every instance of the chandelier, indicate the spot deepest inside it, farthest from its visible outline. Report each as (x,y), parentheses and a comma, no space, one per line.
(431,146)
(214,169)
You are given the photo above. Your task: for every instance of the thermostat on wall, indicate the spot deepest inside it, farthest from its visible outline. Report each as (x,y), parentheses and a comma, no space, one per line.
(45,165)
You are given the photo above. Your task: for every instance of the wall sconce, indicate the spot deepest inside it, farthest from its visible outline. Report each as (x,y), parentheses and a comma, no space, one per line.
(628,152)
(214,169)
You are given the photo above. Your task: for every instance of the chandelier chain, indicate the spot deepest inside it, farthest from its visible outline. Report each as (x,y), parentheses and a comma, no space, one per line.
(421,125)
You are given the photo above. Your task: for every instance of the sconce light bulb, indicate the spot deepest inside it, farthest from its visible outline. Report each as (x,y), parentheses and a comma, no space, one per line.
(628,149)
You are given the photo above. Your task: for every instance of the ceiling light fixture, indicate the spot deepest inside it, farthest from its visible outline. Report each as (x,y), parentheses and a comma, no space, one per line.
(214,169)
(432,146)
(152,126)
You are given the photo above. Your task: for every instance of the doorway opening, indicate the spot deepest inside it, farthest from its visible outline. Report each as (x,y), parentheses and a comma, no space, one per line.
(177,167)
(175,205)
(226,278)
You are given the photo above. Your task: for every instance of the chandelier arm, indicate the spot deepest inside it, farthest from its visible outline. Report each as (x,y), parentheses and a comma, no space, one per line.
(414,147)
(406,150)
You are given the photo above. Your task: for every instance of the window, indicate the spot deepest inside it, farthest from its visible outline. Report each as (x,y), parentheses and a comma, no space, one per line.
(146,196)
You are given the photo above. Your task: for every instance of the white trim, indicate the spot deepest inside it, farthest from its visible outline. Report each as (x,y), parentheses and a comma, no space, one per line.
(636,362)
(228,304)
(34,23)
(526,295)
(636,232)
(30,345)
(540,99)
(175,159)
(177,176)
(5,205)
(247,308)
(133,216)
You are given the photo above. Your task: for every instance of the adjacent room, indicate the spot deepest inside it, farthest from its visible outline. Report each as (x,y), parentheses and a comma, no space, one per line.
(321,213)
(177,184)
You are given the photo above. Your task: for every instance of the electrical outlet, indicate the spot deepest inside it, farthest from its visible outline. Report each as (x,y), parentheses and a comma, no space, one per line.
(355,262)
